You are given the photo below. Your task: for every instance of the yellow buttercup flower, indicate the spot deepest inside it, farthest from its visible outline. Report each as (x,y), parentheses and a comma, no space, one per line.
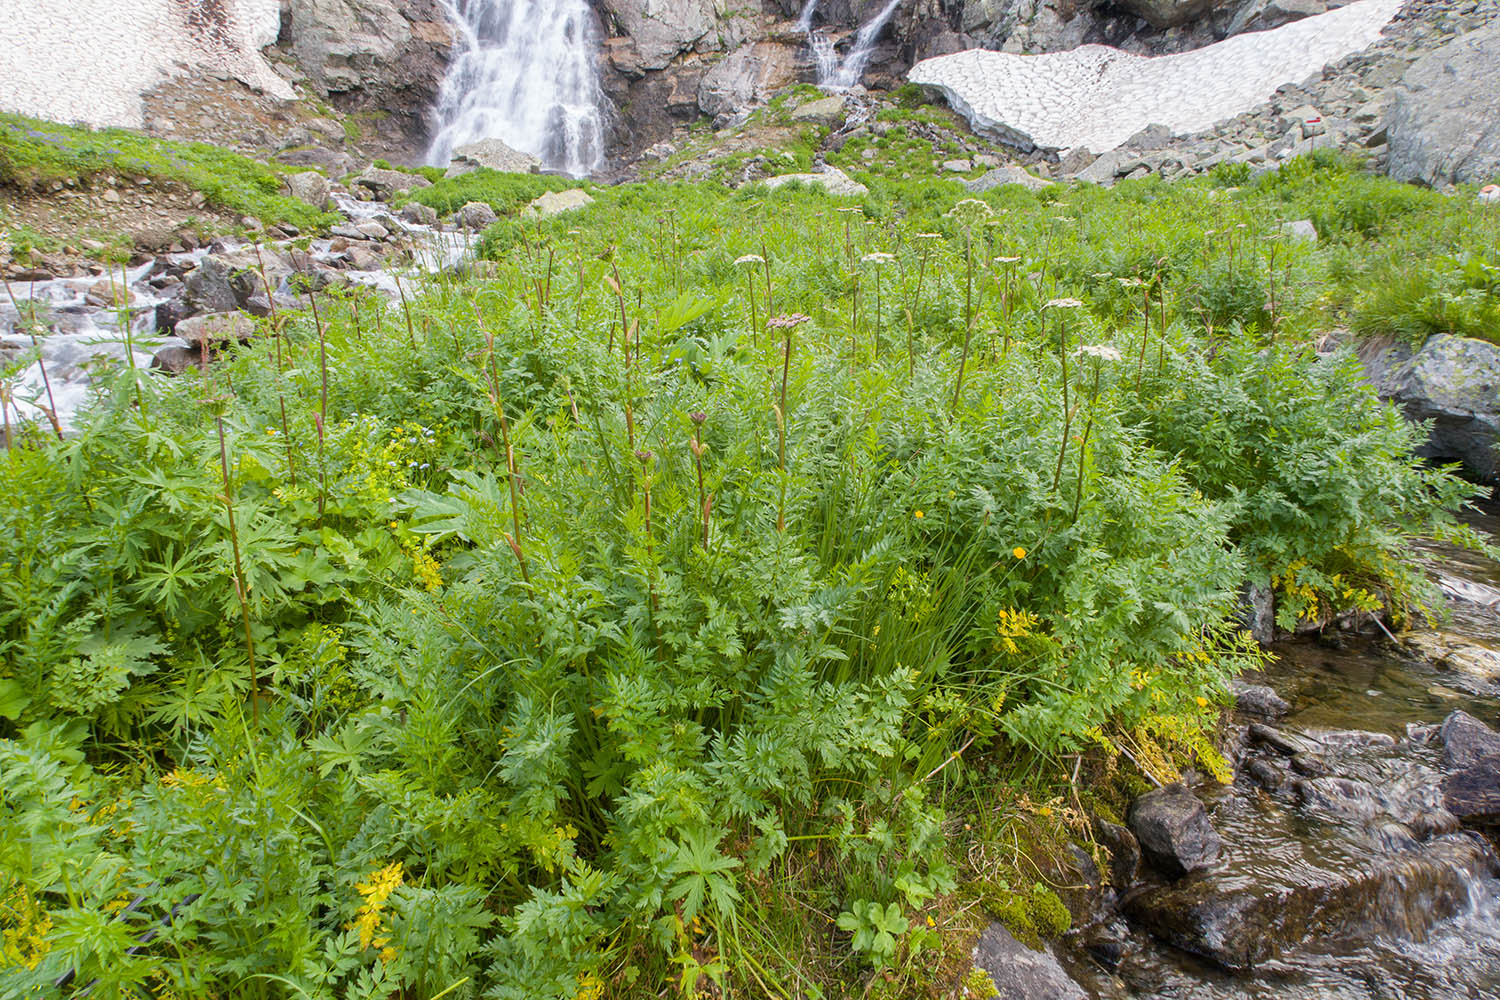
(1018,552)
(1202,701)
(917,515)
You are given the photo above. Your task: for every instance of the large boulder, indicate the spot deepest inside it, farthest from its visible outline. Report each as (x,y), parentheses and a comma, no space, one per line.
(207,288)
(475,215)
(1174,831)
(1445,124)
(1020,973)
(382,183)
(1472,794)
(746,77)
(1455,383)
(216,328)
(491,154)
(309,186)
(557,202)
(832,179)
(1240,923)
(388,56)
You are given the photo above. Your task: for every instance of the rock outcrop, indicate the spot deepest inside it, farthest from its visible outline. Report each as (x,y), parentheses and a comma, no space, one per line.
(1020,973)
(378,56)
(1455,383)
(1445,125)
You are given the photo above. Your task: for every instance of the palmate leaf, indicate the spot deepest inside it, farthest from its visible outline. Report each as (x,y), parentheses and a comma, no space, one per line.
(703,874)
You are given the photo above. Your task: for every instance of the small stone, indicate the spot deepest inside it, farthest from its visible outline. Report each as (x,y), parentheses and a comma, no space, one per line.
(958,166)
(175,359)
(474,215)
(375,231)
(1258,699)
(1300,231)
(216,327)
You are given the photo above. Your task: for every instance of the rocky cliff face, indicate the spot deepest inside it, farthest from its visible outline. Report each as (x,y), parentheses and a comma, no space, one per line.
(383,58)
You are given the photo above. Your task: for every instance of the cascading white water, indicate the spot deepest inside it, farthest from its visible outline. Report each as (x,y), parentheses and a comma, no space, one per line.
(525,74)
(841,74)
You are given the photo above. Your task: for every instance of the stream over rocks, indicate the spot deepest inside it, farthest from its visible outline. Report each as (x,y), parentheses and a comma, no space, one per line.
(162,311)
(1355,855)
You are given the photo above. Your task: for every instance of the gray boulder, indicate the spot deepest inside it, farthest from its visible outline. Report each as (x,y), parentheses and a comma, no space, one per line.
(216,328)
(494,155)
(1174,831)
(1455,383)
(1020,973)
(207,289)
(309,186)
(746,77)
(1000,176)
(832,179)
(1472,795)
(824,111)
(555,202)
(475,215)
(175,359)
(1467,741)
(1445,124)
(382,183)
(419,214)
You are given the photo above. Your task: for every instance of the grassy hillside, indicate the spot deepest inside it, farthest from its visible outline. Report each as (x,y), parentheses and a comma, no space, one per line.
(716,599)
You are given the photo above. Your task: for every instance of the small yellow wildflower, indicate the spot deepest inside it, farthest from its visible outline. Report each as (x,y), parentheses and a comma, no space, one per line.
(917,514)
(1202,701)
(590,987)
(369,921)
(930,921)
(1018,552)
(1044,812)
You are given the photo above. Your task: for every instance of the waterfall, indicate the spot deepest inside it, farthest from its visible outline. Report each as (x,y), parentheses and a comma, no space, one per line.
(834,73)
(525,74)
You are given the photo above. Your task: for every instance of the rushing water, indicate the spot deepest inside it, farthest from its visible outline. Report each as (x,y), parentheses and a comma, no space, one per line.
(526,74)
(835,73)
(86,322)
(1431,934)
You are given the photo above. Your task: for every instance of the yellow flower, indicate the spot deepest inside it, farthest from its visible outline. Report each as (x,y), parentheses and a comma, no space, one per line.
(931,922)
(1202,701)
(369,921)
(917,515)
(1044,811)
(1018,552)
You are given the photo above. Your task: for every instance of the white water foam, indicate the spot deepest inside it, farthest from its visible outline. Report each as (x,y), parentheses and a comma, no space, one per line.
(841,74)
(527,75)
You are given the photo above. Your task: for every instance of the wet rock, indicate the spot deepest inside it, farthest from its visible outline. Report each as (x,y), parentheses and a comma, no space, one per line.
(363,257)
(1239,924)
(1339,797)
(475,215)
(207,288)
(491,154)
(832,179)
(169,314)
(382,183)
(216,328)
(556,202)
(1394,835)
(1428,823)
(1266,775)
(1467,741)
(419,214)
(1445,123)
(1124,852)
(309,186)
(1020,973)
(1174,831)
(1311,765)
(174,359)
(1454,652)
(1000,176)
(1283,743)
(1472,795)
(1258,699)
(108,293)
(374,230)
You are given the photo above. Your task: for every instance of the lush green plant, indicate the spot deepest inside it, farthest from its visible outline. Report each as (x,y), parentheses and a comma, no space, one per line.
(646,612)
(505,193)
(34,154)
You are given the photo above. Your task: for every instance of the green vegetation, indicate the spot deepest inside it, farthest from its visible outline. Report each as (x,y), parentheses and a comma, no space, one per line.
(504,192)
(701,603)
(35,154)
